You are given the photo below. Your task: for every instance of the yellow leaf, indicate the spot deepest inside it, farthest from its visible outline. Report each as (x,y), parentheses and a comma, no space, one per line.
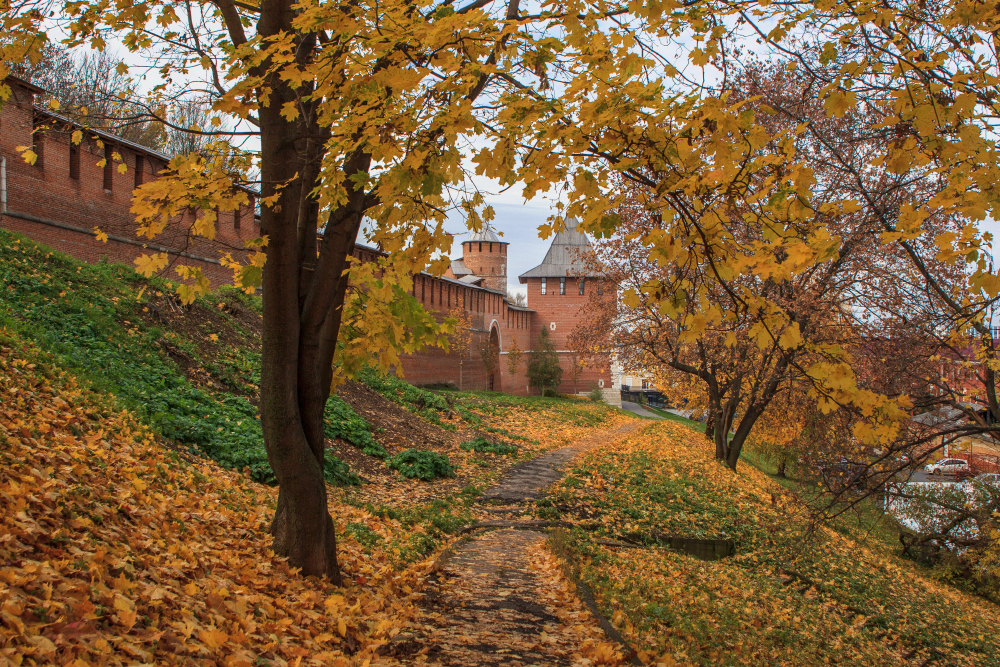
(77,137)
(213,638)
(147,265)
(101,236)
(791,337)
(342,626)
(122,168)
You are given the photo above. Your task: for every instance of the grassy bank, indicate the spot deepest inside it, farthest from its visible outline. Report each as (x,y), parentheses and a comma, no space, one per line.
(789,595)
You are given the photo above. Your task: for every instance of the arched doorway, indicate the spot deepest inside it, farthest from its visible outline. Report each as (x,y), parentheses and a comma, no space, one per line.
(492,359)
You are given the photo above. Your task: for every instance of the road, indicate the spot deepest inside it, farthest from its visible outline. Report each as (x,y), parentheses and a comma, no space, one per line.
(921,476)
(635,408)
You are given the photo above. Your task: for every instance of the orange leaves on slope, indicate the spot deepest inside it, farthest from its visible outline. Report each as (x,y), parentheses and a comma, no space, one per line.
(116,552)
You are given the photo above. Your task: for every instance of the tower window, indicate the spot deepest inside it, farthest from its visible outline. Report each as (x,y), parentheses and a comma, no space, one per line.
(600,287)
(543,285)
(580,284)
(562,285)
(480,246)
(139,166)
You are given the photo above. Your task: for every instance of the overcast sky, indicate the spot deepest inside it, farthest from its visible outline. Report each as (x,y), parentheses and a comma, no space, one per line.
(518,221)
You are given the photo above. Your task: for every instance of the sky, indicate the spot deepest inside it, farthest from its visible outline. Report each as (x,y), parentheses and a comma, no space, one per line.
(518,221)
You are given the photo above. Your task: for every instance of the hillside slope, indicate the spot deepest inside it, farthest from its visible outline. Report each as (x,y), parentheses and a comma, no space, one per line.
(789,596)
(117,551)
(191,374)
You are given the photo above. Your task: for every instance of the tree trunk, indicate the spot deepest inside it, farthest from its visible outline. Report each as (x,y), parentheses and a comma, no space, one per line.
(303,529)
(782,462)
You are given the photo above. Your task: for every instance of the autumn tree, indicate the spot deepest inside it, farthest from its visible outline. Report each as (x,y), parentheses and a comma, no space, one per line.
(361,112)
(514,356)
(368,111)
(544,371)
(461,338)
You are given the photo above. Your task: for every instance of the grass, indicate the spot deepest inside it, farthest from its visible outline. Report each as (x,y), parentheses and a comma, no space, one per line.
(89,317)
(792,594)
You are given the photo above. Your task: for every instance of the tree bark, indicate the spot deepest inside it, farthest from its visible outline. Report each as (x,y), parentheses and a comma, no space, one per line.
(303,529)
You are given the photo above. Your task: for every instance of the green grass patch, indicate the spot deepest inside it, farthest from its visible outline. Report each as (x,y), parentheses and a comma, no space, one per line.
(341,421)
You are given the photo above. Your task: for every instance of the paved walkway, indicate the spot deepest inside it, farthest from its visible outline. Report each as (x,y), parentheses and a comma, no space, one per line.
(500,598)
(637,409)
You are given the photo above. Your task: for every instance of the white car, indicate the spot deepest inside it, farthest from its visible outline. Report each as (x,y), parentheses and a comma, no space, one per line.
(947,467)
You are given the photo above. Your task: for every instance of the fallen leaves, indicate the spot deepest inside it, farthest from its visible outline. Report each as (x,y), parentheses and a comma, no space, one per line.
(116,551)
(790,595)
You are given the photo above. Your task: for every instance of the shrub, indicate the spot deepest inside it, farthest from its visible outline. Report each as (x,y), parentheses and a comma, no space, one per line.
(341,421)
(544,370)
(419,464)
(484,446)
(596,395)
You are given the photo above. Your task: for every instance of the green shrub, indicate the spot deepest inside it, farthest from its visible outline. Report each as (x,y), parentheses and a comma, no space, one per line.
(341,421)
(484,446)
(419,464)
(365,536)
(596,395)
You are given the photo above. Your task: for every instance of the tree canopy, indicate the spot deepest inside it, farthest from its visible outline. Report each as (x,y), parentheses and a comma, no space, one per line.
(385,113)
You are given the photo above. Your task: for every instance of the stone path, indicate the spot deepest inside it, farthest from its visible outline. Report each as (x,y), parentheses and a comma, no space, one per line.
(500,598)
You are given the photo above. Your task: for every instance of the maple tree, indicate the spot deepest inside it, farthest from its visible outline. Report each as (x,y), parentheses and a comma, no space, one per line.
(363,112)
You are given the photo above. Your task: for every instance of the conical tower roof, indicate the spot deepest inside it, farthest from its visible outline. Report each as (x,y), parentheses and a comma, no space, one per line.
(569,255)
(486,235)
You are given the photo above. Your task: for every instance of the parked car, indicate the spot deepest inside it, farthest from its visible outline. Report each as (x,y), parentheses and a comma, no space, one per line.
(947,467)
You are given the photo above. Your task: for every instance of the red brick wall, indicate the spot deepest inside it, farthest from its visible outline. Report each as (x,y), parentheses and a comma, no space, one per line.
(48,192)
(560,314)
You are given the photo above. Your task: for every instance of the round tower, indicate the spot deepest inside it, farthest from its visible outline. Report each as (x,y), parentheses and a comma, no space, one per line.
(486,256)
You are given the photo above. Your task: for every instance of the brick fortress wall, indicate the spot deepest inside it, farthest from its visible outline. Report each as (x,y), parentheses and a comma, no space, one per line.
(60,199)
